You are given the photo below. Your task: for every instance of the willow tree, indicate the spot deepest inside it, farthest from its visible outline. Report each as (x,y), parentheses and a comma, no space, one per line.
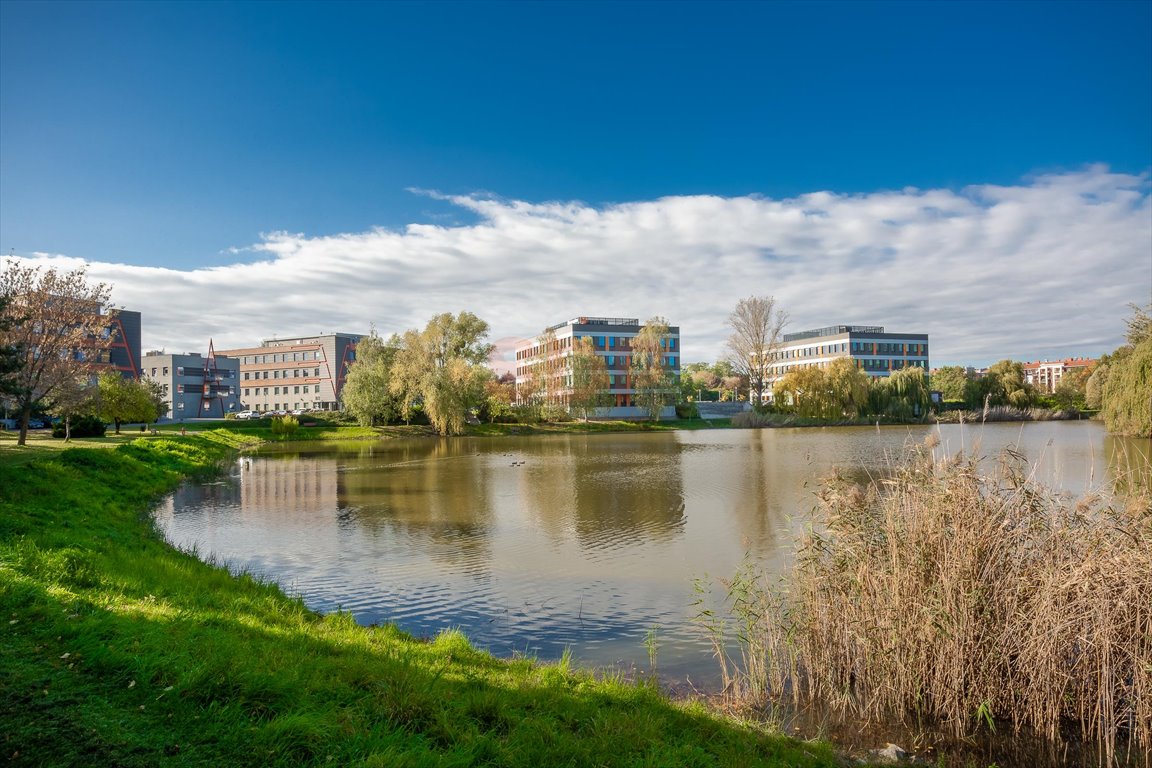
(652,380)
(443,367)
(367,395)
(757,326)
(56,324)
(1126,392)
(590,381)
(909,396)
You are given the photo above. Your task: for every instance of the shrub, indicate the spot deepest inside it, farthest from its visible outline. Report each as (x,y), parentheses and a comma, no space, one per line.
(284,427)
(82,426)
(687,411)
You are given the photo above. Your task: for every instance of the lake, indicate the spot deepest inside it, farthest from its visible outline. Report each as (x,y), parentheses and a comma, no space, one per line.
(534,545)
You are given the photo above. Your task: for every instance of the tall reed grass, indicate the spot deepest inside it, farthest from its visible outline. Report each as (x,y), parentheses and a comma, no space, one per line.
(976,599)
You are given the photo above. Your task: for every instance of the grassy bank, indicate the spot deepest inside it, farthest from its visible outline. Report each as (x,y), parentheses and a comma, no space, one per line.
(120,651)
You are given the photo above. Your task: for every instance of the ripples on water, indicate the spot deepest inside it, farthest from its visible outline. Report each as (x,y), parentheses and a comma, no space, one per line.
(534,545)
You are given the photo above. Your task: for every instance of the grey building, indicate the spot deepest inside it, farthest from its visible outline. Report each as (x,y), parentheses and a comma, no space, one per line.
(299,373)
(195,386)
(874,351)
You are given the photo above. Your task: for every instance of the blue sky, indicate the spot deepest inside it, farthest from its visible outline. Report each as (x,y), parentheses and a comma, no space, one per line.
(250,149)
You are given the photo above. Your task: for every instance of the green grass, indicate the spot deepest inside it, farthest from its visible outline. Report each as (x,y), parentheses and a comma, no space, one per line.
(116,649)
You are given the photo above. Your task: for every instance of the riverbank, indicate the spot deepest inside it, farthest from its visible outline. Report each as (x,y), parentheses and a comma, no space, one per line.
(119,650)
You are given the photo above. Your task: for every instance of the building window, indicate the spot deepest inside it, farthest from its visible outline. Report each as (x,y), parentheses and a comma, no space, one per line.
(295,390)
(317,389)
(165,370)
(180,388)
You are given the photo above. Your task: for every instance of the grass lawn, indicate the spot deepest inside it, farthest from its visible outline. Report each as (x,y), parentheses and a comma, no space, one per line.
(118,650)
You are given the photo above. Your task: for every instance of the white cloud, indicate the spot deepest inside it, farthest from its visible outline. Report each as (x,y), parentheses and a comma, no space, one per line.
(1040,269)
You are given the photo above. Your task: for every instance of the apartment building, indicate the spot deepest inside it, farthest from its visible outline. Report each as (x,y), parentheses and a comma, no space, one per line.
(612,339)
(874,351)
(195,386)
(299,373)
(1045,375)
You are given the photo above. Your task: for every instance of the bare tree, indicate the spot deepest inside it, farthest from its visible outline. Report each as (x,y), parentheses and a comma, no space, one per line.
(59,324)
(757,325)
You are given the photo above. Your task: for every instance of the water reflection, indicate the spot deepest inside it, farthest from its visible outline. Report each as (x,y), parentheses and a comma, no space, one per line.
(545,543)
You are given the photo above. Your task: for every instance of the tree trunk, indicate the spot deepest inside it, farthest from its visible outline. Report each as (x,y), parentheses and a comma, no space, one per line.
(25,415)
(117,426)
(68,428)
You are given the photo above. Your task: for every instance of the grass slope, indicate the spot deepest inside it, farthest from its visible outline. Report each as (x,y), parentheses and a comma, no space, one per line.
(118,650)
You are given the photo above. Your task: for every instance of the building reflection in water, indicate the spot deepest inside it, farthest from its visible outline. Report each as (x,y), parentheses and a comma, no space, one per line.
(537,544)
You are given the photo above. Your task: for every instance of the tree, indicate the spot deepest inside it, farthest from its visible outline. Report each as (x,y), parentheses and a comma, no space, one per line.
(1071,391)
(1126,401)
(909,396)
(499,394)
(1094,387)
(951,381)
(804,391)
(589,372)
(1126,388)
(120,399)
(57,322)
(702,380)
(847,387)
(1004,384)
(367,395)
(651,380)
(443,367)
(76,397)
(756,324)
(10,357)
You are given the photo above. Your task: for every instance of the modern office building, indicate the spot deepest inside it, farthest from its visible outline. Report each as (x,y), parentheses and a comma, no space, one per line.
(1045,375)
(612,339)
(873,350)
(195,386)
(299,373)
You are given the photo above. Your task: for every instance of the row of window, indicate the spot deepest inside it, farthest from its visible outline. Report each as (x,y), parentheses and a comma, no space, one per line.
(294,373)
(212,389)
(282,357)
(296,390)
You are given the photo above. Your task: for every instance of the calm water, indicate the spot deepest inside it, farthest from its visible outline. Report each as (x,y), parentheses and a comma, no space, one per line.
(534,545)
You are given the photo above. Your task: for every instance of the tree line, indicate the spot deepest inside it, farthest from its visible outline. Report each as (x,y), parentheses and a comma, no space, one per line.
(53,327)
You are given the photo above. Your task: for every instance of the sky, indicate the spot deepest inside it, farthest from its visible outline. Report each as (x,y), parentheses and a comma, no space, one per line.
(977,171)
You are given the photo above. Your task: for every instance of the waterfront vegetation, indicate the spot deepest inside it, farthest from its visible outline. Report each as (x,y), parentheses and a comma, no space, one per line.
(948,595)
(120,650)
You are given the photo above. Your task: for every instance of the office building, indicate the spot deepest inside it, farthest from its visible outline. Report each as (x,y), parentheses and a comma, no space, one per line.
(873,350)
(299,373)
(611,338)
(195,386)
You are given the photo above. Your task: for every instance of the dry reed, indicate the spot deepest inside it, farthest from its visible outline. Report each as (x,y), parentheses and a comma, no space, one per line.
(970,598)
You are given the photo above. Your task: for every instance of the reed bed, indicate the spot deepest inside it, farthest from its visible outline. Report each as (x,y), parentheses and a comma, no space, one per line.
(975,599)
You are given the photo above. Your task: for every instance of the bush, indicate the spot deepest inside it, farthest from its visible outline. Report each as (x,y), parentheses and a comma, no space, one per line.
(687,411)
(284,427)
(82,426)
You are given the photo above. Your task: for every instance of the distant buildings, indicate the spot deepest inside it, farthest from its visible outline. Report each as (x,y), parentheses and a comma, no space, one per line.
(303,372)
(1045,375)
(612,339)
(873,350)
(124,351)
(195,386)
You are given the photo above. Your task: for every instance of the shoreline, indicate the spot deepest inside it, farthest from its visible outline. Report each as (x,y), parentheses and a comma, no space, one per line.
(121,649)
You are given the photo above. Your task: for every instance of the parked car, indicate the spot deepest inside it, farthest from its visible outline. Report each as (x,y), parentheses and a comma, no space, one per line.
(245,415)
